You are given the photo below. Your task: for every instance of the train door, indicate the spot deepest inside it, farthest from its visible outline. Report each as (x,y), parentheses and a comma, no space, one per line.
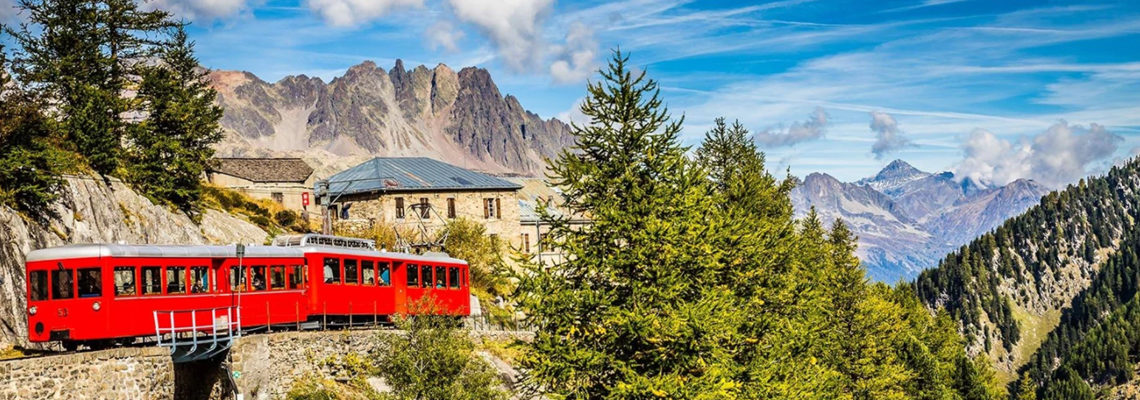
(400,287)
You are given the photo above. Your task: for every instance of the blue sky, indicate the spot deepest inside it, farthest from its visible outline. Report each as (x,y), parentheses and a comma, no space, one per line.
(995,90)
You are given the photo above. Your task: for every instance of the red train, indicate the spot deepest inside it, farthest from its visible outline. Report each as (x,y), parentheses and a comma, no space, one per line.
(99,294)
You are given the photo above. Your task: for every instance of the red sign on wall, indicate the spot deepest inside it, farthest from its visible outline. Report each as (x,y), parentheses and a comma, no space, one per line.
(305,199)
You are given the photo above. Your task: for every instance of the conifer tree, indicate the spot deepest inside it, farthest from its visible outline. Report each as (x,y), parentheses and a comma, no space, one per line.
(635,311)
(170,149)
(1026,389)
(80,56)
(30,163)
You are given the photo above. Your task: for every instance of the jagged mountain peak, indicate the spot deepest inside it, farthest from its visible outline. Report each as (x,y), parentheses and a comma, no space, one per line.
(898,169)
(433,112)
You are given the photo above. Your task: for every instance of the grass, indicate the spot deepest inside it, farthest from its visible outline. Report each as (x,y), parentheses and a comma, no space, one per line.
(1034,330)
(313,387)
(507,350)
(266,214)
(10,353)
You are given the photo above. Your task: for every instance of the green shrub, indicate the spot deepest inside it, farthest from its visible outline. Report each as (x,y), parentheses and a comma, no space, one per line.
(286,218)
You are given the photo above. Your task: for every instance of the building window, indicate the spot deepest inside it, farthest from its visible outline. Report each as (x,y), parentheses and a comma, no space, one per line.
(399,208)
(451,207)
(278,197)
(425,208)
(526,242)
(492,208)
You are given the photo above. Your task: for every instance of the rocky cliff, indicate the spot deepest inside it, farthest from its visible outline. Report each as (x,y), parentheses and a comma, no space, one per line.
(461,118)
(94,210)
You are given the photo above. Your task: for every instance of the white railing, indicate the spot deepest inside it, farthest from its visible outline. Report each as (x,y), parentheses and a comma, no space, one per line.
(189,329)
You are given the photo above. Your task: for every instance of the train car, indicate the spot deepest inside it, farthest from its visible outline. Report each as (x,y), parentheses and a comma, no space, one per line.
(98,293)
(348,282)
(351,278)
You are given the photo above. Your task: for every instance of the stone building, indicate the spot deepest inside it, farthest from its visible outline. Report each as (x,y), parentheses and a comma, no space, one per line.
(284,180)
(388,190)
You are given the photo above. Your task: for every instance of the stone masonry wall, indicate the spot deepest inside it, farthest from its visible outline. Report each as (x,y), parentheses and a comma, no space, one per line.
(128,373)
(269,364)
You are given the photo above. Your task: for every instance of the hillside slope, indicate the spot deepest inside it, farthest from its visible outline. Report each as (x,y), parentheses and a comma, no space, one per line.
(458,117)
(1038,278)
(93,210)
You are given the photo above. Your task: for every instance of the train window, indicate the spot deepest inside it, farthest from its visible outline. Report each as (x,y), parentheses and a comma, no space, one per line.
(61,282)
(258,279)
(440,277)
(152,280)
(413,275)
(237,279)
(332,270)
(385,275)
(453,277)
(175,280)
(90,282)
(295,277)
(199,279)
(368,272)
(277,277)
(351,274)
(125,281)
(425,276)
(38,285)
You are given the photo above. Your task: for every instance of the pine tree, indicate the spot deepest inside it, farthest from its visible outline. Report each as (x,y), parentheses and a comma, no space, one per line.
(170,149)
(1026,389)
(30,163)
(634,311)
(79,56)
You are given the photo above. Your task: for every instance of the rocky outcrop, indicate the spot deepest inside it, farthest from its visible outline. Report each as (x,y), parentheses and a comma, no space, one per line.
(435,112)
(95,210)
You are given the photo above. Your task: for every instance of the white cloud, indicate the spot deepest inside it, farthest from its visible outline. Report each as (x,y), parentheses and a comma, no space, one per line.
(888,137)
(443,34)
(514,26)
(202,10)
(356,12)
(577,59)
(1060,155)
(811,129)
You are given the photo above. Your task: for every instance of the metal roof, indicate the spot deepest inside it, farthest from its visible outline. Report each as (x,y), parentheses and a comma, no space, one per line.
(201,251)
(143,250)
(411,174)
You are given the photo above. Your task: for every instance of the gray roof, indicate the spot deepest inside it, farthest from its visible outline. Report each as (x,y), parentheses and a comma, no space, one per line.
(411,174)
(263,170)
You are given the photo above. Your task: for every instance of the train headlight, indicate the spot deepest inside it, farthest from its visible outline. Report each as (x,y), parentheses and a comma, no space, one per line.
(96,306)
(32,310)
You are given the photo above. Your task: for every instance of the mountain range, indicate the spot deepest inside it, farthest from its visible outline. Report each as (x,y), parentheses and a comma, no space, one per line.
(367,112)
(908,219)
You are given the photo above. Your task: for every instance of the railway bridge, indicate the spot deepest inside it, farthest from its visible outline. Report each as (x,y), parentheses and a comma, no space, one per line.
(260,366)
